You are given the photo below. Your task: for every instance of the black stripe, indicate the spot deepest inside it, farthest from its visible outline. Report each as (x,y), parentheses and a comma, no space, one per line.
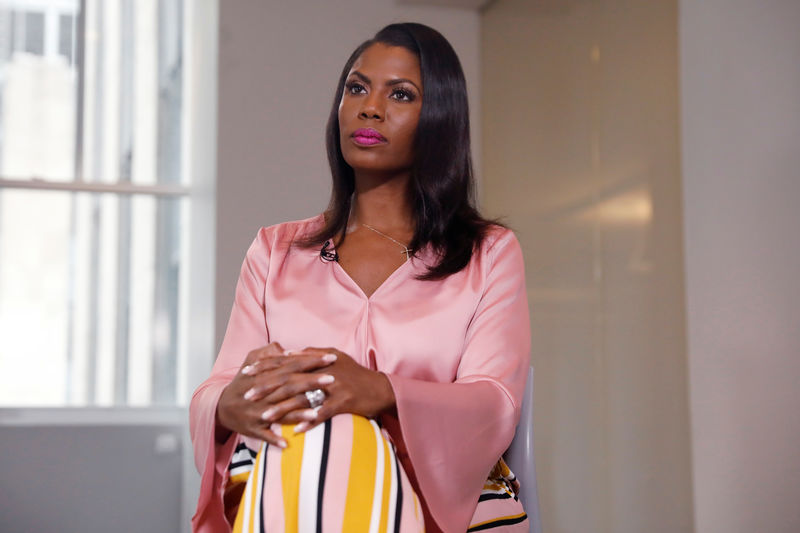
(242,446)
(239,463)
(263,488)
(398,508)
(493,496)
(498,523)
(323,469)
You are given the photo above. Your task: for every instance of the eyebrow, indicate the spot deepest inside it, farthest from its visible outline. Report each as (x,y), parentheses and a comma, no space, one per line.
(363,77)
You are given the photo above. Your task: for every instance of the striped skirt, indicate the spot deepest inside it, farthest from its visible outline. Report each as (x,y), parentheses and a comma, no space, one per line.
(343,475)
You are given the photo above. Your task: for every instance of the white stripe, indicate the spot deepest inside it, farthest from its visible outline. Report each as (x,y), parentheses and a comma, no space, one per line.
(377,494)
(243,454)
(309,480)
(393,491)
(240,470)
(244,461)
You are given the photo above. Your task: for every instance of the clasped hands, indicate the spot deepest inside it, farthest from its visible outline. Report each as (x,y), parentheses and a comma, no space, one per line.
(271,384)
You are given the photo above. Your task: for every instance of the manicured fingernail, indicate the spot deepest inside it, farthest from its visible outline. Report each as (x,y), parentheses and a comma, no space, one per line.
(269,413)
(309,414)
(301,427)
(247,370)
(290,352)
(326,379)
(282,444)
(249,394)
(329,357)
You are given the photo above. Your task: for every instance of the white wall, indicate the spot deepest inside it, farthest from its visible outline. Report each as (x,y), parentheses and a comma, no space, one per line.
(581,152)
(740,91)
(279,63)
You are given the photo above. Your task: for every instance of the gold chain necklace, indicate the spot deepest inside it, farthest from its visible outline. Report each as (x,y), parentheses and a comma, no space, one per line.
(405,248)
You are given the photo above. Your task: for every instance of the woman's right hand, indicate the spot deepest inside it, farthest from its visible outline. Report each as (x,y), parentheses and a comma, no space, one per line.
(244,402)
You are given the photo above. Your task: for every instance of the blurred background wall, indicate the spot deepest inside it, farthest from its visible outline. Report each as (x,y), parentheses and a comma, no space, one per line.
(740,121)
(581,153)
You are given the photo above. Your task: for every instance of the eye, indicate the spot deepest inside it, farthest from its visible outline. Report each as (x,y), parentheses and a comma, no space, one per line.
(403,95)
(354,87)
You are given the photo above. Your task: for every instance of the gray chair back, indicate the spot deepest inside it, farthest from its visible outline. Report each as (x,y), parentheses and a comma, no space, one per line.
(520,459)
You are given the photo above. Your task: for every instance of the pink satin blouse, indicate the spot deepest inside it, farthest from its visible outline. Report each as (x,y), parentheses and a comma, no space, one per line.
(455,351)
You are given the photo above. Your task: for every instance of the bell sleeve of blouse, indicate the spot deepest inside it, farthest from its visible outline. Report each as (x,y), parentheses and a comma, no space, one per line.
(454,433)
(246,331)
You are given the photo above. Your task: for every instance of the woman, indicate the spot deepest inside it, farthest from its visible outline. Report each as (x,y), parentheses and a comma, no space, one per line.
(397,321)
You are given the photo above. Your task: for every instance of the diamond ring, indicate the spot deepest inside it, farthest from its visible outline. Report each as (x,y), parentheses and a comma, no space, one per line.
(315,397)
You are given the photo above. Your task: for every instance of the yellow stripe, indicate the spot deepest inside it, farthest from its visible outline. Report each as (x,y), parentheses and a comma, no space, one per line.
(387,488)
(254,499)
(291,460)
(520,515)
(361,481)
(237,525)
(239,478)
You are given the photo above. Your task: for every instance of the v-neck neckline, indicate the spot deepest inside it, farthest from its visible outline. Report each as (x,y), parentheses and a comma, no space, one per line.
(380,287)
(419,256)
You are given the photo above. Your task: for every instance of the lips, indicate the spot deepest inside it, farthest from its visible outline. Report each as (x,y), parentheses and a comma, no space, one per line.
(368,137)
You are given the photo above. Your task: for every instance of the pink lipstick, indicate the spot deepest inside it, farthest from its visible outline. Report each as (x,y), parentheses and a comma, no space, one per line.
(368,137)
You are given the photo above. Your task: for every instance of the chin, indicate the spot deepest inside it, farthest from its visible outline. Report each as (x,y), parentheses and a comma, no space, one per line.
(363,164)
(374,165)
(377,172)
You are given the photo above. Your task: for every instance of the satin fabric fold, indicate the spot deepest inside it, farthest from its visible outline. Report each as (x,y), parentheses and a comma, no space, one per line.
(455,350)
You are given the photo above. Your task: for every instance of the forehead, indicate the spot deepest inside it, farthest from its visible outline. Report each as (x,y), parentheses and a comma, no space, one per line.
(388,62)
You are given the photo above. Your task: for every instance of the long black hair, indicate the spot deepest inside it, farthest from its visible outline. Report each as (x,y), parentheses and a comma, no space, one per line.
(442,188)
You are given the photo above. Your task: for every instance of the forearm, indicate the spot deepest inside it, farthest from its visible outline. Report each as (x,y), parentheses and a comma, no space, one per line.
(221,433)
(387,400)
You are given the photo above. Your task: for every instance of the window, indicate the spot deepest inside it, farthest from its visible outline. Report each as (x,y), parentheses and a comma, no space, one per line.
(96,201)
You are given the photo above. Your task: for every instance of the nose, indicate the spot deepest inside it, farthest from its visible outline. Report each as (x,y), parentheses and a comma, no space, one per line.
(372,107)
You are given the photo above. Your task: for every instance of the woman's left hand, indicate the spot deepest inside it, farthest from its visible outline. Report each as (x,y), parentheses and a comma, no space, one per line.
(355,389)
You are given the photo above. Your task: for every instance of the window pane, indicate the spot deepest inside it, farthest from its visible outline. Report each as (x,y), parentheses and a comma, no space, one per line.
(6,32)
(126,125)
(66,30)
(34,33)
(90,301)
(33,296)
(37,93)
(133,72)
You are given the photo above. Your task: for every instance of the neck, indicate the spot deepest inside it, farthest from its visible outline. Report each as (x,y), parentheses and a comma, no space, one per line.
(383,204)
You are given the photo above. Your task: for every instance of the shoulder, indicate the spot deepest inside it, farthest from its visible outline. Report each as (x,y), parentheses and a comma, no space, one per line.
(497,241)
(272,244)
(280,236)
(500,255)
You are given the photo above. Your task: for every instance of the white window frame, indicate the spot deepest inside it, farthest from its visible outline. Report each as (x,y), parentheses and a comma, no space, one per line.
(200,41)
